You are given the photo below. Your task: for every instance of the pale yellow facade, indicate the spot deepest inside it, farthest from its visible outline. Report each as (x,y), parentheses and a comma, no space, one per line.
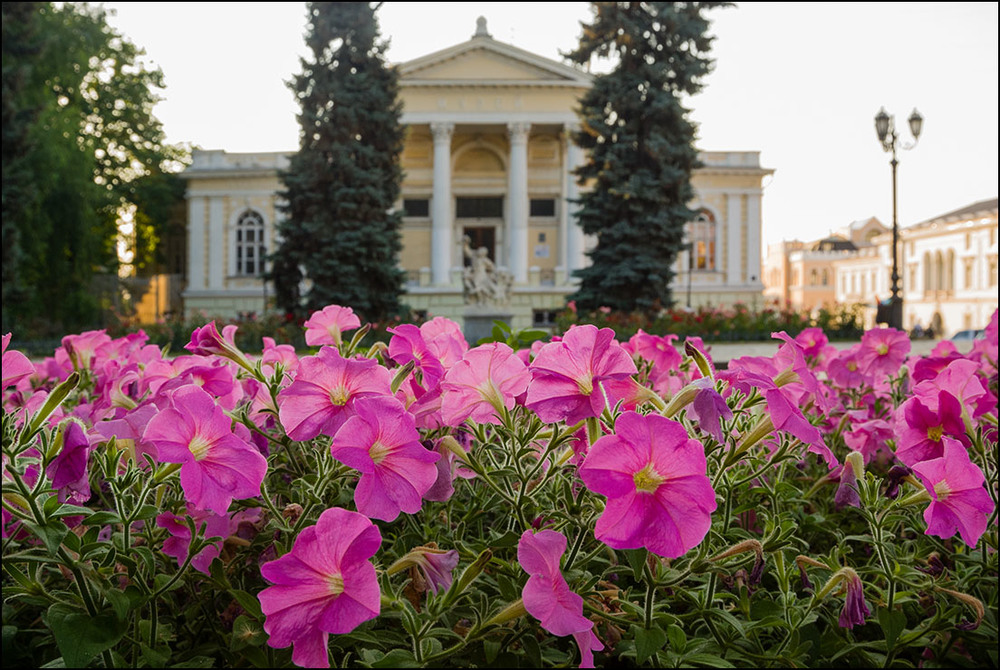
(488,155)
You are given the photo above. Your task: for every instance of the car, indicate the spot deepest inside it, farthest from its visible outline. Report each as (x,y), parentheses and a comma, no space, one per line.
(964,335)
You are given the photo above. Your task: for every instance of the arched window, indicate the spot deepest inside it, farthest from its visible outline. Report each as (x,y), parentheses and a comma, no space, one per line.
(250,248)
(701,235)
(826,277)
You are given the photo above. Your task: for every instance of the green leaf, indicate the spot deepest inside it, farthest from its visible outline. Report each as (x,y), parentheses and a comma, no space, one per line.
(893,623)
(51,534)
(155,658)
(532,651)
(147,512)
(196,662)
(491,648)
(648,641)
(636,559)
(249,603)
(707,660)
(678,640)
(119,602)
(81,637)
(247,632)
(397,658)
(102,519)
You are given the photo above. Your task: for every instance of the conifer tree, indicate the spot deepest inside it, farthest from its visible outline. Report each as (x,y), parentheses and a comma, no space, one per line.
(340,234)
(640,148)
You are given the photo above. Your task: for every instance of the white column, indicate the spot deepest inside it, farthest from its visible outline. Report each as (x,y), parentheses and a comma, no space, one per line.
(575,258)
(441,222)
(517,199)
(753,238)
(216,242)
(733,245)
(196,243)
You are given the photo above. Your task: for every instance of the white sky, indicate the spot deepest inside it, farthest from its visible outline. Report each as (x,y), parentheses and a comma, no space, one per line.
(799,82)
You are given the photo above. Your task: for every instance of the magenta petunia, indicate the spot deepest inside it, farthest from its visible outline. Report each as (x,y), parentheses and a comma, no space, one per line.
(883,351)
(178,540)
(920,430)
(484,382)
(445,340)
(855,609)
(16,365)
(547,596)
(567,376)
(960,502)
(408,344)
(324,585)
(207,341)
(321,398)
(654,476)
(216,465)
(68,470)
(327,325)
(788,418)
(382,443)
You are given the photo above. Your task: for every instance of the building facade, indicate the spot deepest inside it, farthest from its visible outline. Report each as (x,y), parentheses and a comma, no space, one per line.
(488,163)
(947,266)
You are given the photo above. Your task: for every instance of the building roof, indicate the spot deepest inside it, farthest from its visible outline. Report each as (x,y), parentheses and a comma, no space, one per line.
(975,210)
(833,243)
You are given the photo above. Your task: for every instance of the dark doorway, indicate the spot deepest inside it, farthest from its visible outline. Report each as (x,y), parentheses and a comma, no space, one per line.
(481,236)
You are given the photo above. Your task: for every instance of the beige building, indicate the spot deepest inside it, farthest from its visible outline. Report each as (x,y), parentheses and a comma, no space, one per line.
(947,265)
(488,157)
(802,276)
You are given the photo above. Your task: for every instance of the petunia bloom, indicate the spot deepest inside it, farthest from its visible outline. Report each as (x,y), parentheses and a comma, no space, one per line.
(883,351)
(16,365)
(325,584)
(482,384)
(381,442)
(547,596)
(959,500)
(567,376)
(322,396)
(206,341)
(855,609)
(327,325)
(216,465)
(654,476)
(68,470)
(921,430)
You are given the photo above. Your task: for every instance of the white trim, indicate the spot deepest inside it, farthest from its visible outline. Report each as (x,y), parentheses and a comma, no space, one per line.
(196,242)
(216,240)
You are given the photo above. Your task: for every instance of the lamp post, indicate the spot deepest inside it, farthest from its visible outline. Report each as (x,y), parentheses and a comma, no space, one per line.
(885,127)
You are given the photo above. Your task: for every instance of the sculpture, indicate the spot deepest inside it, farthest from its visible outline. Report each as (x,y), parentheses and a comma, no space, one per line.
(484,283)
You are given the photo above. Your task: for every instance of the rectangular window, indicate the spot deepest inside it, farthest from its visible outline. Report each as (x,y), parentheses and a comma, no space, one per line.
(479,208)
(417,208)
(543,318)
(543,207)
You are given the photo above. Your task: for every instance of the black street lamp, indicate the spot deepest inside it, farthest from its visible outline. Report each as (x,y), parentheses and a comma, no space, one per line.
(885,126)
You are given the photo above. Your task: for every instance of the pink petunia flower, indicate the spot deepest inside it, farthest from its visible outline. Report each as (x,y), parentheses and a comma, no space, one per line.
(216,465)
(408,344)
(328,324)
(322,396)
(883,351)
(482,384)
(16,365)
(921,430)
(325,584)
(959,500)
(206,341)
(178,541)
(68,470)
(547,596)
(654,476)
(788,418)
(855,609)
(445,340)
(567,376)
(382,443)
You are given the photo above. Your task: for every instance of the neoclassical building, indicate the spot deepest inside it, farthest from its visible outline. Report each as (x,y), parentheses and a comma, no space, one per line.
(487,157)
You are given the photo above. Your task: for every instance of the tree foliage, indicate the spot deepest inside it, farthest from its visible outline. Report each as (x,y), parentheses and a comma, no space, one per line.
(78,108)
(340,234)
(640,147)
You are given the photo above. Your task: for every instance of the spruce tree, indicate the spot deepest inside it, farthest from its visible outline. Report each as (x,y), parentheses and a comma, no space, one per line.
(340,233)
(640,147)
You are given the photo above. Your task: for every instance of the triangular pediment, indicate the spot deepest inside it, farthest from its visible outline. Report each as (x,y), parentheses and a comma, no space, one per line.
(486,61)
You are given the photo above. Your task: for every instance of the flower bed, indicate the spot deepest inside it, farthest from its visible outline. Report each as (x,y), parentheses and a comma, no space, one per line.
(421,502)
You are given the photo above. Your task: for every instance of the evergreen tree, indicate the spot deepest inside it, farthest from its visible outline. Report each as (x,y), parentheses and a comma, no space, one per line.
(340,233)
(640,146)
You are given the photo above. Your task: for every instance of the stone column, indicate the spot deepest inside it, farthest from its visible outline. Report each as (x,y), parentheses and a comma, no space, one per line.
(734,244)
(574,238)
(753,238)
(217,254)
(517,198)
(441,223)
(196,243)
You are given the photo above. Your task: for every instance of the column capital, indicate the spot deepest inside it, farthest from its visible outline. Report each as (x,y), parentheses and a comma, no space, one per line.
(518,131)
(442,130)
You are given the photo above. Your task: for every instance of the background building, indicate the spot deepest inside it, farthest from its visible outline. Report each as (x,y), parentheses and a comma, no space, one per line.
(487,156)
